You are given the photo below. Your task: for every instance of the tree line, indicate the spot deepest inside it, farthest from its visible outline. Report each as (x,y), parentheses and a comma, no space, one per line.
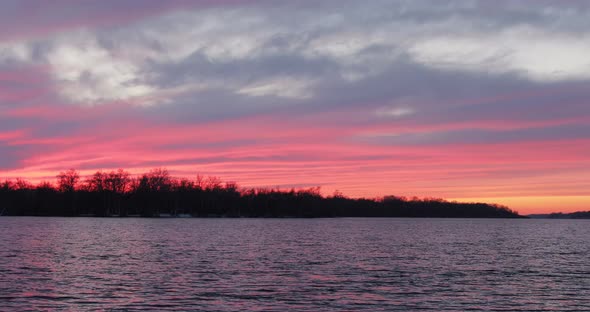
(157,194)
(561,215)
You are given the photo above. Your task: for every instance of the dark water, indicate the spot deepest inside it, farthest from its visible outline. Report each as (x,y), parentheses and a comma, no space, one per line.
(294,265)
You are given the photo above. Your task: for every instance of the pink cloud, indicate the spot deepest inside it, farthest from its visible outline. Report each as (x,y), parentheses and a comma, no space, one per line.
(263,151)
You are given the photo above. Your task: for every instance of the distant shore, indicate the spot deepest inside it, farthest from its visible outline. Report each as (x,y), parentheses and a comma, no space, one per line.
(560,215)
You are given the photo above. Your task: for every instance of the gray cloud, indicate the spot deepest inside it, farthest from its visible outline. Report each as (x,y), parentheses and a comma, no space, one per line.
(428,62)
(10,157)
(477,136)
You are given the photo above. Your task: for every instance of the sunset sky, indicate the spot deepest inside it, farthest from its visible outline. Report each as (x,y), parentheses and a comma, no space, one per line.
(466,100)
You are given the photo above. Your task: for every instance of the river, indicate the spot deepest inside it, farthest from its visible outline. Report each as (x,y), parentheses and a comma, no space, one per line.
(360,264)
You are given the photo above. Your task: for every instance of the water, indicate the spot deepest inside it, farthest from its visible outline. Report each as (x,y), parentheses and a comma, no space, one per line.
(83,264)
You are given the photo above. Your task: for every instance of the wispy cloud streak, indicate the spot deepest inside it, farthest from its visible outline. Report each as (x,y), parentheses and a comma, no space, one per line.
(455,99)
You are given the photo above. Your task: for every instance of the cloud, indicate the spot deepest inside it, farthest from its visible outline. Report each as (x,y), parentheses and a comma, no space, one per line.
(395,112)
(360,96)
(541,56)
(45,19)
(14,52)
(87,73)
(349,44)
(285,87)
(475,135)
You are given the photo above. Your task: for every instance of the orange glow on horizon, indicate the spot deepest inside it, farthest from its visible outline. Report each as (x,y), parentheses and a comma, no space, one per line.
(530,177)
(538,204)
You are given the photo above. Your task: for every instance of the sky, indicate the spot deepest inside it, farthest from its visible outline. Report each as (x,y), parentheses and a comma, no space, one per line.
(463,100)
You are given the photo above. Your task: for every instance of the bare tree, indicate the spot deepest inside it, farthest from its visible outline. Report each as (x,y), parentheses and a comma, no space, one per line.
(68,180)
(200,182)
(118,181)
(97,182)
(45,186)
(22,184)
(231,186)
(159,180)
(213,183)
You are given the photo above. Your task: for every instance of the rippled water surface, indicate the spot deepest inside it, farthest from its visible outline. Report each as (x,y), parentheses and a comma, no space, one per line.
(83,264)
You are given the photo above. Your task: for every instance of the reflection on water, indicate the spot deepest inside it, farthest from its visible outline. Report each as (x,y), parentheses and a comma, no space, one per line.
(304,265)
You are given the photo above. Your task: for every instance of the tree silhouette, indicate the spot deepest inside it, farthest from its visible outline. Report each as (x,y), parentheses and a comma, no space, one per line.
(68,180)
(156,193)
